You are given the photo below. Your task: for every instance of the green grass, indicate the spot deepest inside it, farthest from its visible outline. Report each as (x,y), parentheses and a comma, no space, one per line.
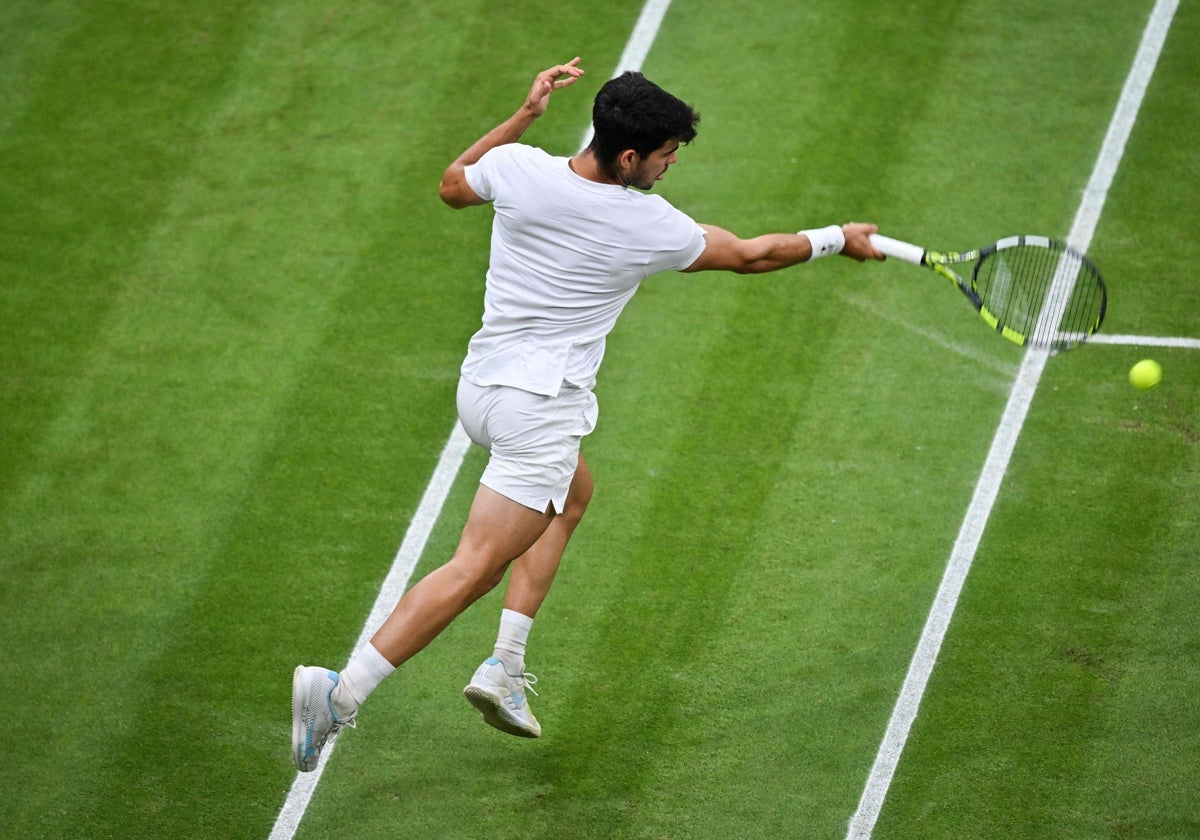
(233,310)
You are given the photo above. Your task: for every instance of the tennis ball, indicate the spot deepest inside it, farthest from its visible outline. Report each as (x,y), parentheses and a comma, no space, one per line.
(1145,374)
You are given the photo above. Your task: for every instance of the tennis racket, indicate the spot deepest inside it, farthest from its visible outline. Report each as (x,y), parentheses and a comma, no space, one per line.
(1033,290)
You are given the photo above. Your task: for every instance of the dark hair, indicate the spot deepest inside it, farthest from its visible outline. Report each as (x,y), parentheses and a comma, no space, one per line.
(631,112)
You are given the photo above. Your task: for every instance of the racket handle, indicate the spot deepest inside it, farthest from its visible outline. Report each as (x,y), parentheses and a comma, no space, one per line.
(889,247)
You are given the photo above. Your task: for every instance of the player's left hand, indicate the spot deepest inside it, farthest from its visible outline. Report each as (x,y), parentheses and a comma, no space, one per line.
(550,80)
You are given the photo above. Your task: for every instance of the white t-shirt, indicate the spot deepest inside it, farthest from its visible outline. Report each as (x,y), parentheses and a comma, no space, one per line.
(567,254)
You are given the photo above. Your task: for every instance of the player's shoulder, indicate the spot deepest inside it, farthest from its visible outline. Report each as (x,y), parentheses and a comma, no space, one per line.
(519,153)
(659,207)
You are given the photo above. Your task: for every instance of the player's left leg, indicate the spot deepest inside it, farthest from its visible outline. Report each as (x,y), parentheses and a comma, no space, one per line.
(533,572)
(498,686)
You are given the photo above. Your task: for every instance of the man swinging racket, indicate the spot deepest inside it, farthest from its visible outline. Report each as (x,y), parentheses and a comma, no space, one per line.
(572,240)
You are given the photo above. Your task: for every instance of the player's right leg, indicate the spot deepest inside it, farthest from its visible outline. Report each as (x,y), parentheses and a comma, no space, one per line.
(497,531)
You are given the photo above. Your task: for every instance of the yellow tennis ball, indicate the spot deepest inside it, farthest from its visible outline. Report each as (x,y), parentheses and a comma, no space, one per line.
(1145,374)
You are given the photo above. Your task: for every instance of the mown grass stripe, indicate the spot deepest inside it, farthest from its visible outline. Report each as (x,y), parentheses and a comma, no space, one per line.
(862,823)
(457,444)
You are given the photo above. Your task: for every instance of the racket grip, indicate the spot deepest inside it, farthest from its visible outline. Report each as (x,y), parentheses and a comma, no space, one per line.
(889,247)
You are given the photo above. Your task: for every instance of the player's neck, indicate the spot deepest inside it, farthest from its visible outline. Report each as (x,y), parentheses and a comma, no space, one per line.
(586,166)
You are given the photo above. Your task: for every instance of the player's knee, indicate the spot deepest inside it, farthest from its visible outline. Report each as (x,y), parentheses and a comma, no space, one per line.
(477,576)
(490,580)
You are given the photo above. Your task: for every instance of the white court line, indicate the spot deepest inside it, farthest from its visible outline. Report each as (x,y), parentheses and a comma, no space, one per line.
(1147,341)
(905,712)
(393,587)
(455,450)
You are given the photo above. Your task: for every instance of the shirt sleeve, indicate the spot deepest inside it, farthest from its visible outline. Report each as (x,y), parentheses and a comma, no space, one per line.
(485,177)
(695,247)
(685,236)
(479,177)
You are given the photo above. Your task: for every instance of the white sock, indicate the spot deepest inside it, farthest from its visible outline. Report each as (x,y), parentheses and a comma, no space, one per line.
(510,643)
(363,674)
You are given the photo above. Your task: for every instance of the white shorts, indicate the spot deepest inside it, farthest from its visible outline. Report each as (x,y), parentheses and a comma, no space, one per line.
(534,439)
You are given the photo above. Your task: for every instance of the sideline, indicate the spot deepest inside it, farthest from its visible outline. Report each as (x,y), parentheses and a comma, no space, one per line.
(905,711)
(455,450)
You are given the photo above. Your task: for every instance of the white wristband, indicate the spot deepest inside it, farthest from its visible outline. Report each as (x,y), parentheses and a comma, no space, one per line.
(825,241)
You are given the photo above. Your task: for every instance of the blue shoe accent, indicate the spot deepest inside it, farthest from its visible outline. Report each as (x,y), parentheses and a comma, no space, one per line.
(314,718)
(309,752)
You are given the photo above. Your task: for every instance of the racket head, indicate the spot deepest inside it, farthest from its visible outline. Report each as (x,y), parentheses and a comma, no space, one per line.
(1039,292)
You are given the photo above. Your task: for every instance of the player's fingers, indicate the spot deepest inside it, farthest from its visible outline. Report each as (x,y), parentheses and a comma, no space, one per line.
(571,71)
(548,81)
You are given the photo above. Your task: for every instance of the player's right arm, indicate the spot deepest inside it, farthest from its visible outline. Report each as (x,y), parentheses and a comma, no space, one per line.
(724,251)
(454,189)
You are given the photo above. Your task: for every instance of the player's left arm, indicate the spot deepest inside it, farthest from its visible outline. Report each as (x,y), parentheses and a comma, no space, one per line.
(454,189)
(724,251)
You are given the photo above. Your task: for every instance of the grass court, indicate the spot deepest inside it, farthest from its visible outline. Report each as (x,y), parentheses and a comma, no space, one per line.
(232,311)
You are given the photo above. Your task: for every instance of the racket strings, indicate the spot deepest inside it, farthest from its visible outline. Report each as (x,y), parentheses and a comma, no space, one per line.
(1047,293)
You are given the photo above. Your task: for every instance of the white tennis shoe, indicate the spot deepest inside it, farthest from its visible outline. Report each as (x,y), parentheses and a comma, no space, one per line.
(500,698)
(314,719)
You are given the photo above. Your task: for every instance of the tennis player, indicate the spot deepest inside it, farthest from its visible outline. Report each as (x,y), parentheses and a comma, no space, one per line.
(572,239)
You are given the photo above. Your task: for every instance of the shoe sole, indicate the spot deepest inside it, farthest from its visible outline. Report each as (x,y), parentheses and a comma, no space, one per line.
(299,692)
(494,713)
